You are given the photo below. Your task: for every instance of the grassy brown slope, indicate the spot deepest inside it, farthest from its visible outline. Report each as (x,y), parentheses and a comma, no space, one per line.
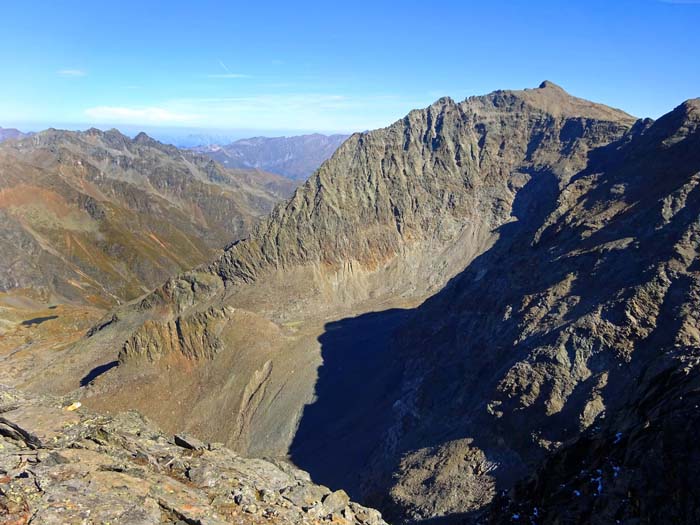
(110,217)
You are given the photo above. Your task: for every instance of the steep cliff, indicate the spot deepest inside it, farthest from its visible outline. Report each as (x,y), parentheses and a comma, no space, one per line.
(558,329)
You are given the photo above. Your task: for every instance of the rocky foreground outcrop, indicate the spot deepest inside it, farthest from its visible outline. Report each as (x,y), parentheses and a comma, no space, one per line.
(60,464)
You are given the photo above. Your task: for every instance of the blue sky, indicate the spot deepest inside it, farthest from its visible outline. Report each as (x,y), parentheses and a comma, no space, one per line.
(330,66)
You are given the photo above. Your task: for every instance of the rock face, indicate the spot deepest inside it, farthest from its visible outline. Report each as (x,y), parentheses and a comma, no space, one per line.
(639,465)
(97,218)
(62,465)
(449,307)
(435,184)
(570,323)
(293,157)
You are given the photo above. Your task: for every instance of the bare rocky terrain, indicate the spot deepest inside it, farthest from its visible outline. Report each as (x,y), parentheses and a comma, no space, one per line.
(485,312)
(93,219)
(62,465)
(99,218)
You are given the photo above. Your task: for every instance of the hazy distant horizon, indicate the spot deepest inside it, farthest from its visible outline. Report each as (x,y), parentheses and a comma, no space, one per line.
(176,135)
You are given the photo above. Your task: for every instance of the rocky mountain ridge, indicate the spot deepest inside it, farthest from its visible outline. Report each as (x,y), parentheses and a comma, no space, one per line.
(440,314)
(370,205)
(93,219)
(561,330)
(85,203)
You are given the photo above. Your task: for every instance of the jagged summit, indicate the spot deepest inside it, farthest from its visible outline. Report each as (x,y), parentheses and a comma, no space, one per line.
(693,102)
(144,138)
(679,124)
(442,101)
(553,100)
(548,84)
(691,107)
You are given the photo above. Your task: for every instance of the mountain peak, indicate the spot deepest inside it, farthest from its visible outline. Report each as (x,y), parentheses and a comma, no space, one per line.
(143,138)
(443,101)
(692,105)
(678,124)
(553,99)
(548,84)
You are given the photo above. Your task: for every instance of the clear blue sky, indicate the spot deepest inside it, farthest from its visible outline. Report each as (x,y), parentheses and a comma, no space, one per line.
(331,66)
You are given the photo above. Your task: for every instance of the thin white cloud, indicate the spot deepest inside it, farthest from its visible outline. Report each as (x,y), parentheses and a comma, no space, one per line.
(299,110)
(146,115)
(320,111)
(72,73)
(223,66)
(227,72)
(228,75)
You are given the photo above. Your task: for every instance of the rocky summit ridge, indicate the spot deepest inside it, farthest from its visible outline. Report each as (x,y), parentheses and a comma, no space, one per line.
(453,314)
(430,179)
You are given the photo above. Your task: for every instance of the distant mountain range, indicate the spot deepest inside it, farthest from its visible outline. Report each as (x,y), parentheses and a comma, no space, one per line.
(293,157)
(12,133)
(96,217)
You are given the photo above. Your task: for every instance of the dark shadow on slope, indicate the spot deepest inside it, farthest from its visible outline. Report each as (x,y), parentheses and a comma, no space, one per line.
(465,343)
(38,320)
(462,518)
(97,371)
(341,429)
(359,382)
